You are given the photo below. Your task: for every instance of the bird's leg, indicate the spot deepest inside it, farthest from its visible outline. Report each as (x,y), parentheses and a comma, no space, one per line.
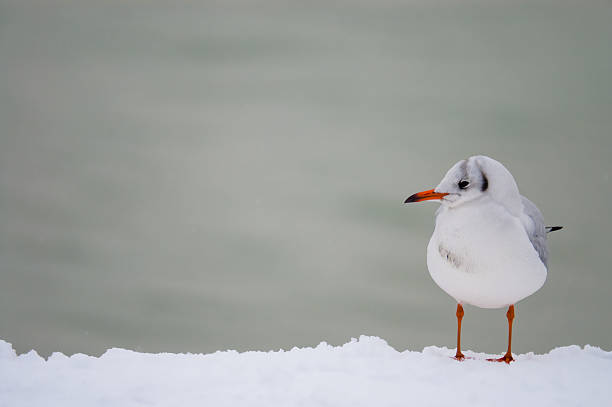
(508,356)
(459,355)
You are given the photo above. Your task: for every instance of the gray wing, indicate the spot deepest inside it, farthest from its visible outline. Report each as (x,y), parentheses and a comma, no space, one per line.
(533,221)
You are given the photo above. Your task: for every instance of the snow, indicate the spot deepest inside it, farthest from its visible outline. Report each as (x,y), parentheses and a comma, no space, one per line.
(363,372)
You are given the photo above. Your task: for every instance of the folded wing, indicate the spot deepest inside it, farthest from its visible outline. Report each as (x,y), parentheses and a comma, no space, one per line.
(533,221)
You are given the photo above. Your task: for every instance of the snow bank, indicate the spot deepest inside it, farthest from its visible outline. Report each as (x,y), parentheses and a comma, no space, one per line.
(364,372)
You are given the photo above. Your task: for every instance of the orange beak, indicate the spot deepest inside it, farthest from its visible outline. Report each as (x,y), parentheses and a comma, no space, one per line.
(425,196)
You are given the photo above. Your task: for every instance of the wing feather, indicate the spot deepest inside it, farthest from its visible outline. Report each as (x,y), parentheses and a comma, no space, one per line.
(533,221)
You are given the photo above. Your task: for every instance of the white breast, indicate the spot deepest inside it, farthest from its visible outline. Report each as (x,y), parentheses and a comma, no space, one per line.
(481,255)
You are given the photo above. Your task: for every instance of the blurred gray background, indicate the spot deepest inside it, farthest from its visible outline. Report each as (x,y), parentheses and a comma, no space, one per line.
(198,176)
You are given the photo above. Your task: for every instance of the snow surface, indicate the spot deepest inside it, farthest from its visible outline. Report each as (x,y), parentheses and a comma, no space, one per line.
(364,372)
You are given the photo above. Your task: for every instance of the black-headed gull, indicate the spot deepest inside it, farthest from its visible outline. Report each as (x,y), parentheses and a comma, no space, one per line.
(488,248)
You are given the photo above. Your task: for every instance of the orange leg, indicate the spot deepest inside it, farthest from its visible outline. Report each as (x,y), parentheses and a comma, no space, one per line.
(459,355)
(508,356)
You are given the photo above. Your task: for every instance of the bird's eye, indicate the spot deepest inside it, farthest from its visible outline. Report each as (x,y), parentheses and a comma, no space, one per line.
(463,184)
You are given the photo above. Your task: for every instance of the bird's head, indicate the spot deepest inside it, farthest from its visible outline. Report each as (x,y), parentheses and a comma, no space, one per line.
(468,180)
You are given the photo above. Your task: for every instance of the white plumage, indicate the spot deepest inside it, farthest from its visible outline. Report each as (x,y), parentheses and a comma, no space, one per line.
(481,252)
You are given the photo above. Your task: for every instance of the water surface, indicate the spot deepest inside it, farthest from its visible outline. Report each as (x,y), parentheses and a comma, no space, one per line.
(202,176)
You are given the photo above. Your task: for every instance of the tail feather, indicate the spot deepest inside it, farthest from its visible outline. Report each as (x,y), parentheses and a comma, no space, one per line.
(553,228)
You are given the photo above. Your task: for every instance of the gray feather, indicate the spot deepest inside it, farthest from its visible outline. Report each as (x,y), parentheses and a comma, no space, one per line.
(533,221)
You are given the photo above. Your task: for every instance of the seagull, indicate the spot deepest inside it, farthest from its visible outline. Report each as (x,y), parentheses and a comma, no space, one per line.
(488,248)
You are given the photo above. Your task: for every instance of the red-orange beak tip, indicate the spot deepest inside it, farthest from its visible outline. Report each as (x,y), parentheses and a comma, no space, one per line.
(425,196)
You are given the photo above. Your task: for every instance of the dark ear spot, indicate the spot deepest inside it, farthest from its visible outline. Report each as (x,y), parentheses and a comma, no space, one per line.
(485,182)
